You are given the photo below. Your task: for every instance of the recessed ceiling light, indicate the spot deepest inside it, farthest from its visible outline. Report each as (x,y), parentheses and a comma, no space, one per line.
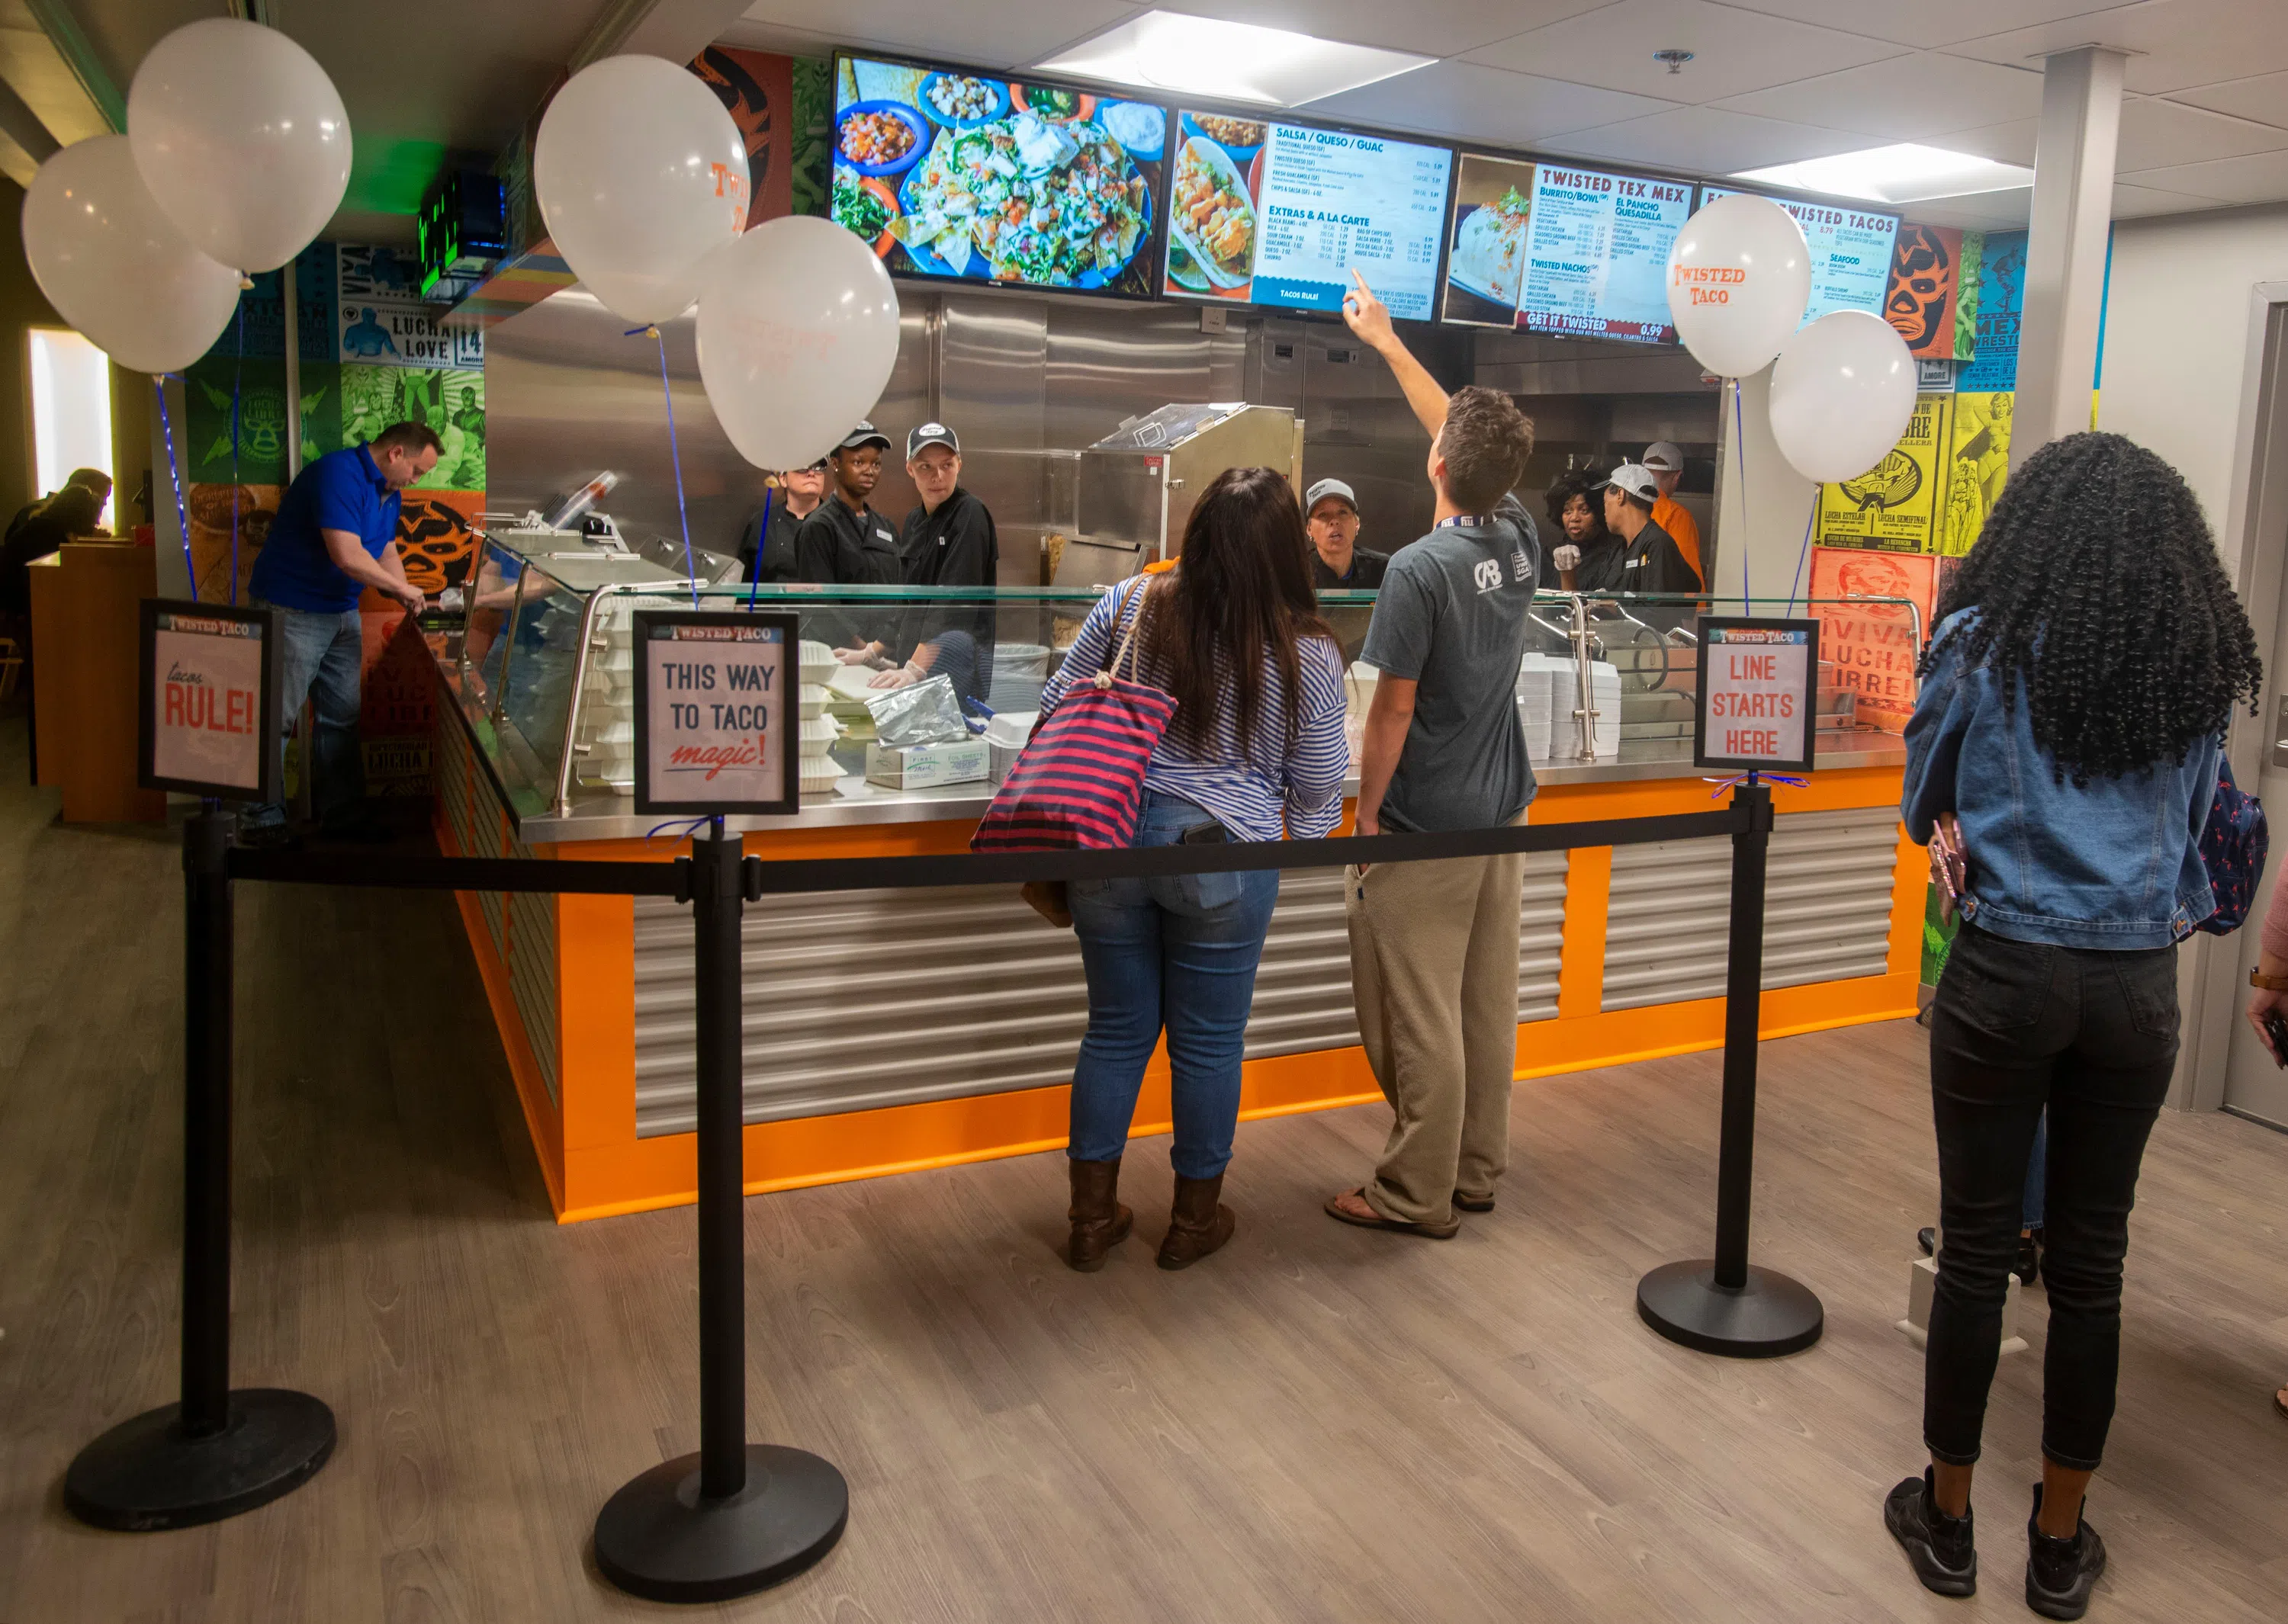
(1906,173)
(1229,61)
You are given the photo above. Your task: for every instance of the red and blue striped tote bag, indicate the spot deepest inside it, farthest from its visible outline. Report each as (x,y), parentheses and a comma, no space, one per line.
(1079,782)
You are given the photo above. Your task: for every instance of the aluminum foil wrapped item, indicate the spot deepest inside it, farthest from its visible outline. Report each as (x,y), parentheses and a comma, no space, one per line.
(927,712)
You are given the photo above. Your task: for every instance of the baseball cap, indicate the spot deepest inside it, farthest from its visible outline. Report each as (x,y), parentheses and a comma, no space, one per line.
(931,434)
(1664,456)
(864,435)
(1634,478)
(1325,488)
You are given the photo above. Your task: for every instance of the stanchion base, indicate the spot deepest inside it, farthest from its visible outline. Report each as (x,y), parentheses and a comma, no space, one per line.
(1769,1315)
(658,1540)
(146,1474)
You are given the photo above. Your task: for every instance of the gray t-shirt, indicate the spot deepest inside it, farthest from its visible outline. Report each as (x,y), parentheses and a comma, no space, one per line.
(1451,617)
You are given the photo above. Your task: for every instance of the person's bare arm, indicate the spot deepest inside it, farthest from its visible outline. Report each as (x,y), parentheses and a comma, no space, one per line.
(1370,318)
(1388,718)
(351,557)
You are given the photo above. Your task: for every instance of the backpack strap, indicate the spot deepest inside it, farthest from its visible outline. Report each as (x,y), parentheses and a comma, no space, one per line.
(1133,611)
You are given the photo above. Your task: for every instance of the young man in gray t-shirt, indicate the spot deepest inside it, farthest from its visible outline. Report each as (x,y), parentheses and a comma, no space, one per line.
(1434,945)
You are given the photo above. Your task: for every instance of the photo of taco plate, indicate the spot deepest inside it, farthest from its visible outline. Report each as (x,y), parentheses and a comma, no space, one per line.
(1213,217)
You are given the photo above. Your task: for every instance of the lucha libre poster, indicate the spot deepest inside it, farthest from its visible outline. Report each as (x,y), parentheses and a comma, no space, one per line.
(1894,504)
(1872,648)
(1926,274)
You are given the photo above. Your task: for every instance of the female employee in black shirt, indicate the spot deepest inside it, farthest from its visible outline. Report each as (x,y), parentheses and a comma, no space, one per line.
(1587,556)
(771,528)
(948,541)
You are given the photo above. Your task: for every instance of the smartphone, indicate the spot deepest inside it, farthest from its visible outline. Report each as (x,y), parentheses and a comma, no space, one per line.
(2275,1027)
(1946,859)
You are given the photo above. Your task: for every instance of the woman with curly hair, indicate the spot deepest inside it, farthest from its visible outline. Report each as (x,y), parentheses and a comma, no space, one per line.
(1587,558)
(2088,657)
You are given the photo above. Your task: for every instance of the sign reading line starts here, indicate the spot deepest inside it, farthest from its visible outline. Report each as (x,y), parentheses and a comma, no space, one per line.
(1759,692)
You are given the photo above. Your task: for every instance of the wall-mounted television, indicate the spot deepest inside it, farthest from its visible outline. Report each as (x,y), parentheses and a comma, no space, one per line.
(1275,213)
(1850,251)
(956,173)
(1596,253)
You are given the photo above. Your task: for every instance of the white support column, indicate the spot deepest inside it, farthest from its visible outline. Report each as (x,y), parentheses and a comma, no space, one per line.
(2065,248)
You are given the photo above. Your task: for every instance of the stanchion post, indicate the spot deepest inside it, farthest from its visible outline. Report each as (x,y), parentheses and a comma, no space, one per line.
(216,1451)
(736,1517)
(1726,1305)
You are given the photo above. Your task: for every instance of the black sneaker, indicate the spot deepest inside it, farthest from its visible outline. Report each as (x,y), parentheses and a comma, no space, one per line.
(1938,1545)
(1927,1238)
(2060,1573)
(2030,1261)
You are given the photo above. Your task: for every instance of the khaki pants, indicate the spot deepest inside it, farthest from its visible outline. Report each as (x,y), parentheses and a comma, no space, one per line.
(1433,965)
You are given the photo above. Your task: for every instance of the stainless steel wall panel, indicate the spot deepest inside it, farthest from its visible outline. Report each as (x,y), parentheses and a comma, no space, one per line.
(1827,912)
(990,383)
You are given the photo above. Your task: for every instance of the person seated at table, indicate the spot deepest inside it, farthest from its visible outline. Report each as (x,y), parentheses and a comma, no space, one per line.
(43,527)
(1587,558)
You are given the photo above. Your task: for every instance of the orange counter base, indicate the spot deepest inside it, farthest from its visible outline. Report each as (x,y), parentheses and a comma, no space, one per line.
(584,1131)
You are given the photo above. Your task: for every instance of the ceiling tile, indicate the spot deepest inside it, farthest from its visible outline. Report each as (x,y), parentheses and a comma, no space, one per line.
(2261,177)
(1433,28)
(1906,99)
(1925,23)
(1006,33)
(1704,140)
(2136,202)
(2179,43)
(2006,143)
(2158,134)
(1987,211)
(2263,97)
(1485,104)
(1735,52)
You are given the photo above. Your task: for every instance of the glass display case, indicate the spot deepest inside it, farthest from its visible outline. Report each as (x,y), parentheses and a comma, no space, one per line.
(542,667)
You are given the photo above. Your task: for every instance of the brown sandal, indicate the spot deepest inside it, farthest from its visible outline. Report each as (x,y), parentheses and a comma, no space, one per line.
(1429,1231)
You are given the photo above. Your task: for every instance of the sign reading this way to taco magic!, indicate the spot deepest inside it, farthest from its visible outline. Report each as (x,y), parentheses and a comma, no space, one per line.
(716,728)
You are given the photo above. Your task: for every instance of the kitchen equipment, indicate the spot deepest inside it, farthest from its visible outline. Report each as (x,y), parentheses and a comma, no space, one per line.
(1138,484)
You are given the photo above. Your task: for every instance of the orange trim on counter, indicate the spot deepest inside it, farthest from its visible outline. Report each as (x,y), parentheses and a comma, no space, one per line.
(1581,956)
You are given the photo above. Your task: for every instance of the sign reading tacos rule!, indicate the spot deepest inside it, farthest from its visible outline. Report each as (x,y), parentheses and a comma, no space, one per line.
(209,712)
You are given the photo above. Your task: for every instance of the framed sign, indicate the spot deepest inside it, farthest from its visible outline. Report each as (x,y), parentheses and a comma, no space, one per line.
(718,727)
(1758,708)
(206,721)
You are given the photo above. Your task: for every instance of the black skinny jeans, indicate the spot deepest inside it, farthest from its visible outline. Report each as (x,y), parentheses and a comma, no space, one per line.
(2093,1035)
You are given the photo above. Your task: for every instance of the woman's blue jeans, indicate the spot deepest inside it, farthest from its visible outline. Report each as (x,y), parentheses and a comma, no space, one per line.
(1178,952)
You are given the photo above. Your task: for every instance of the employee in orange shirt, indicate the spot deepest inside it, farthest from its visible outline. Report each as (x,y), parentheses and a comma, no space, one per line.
(1667,465)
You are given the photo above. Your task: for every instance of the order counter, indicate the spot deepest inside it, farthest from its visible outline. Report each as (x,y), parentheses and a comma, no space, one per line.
(892,1030)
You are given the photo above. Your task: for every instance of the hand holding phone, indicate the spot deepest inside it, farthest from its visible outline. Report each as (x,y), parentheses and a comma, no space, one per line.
(1948,870)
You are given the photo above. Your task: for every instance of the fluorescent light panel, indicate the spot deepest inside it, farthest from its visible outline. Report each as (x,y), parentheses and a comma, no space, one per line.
(1905,173)
(1229,61)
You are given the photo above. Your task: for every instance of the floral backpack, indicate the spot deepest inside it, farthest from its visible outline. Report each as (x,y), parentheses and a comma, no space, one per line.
(2233,846)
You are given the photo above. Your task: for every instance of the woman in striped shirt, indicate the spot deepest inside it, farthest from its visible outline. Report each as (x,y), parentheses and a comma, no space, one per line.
(1255,750)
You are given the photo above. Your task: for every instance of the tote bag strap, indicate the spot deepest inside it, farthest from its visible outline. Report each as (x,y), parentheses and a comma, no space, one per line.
(1133,609)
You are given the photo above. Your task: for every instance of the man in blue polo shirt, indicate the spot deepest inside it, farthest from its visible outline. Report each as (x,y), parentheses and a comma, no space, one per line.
(334,536)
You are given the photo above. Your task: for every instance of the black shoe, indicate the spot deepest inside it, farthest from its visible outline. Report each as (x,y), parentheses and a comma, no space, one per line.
(1927,1238)
(2030,1261)
(2060,1573)
(269,837)
(1938,1545)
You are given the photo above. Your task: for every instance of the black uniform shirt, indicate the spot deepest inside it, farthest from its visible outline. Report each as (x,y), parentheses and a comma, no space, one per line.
(1366,572)
(779,563)
(839,545)
(1652,564)
(955,546)
(1599,570)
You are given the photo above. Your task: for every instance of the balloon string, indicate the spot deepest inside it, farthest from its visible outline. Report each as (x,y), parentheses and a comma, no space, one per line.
(237,380)
(676,456)
(1802,556)
(182,515)
(1747,543)
(762,540)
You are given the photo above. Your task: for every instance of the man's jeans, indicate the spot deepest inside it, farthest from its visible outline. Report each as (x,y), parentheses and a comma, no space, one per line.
(322,662)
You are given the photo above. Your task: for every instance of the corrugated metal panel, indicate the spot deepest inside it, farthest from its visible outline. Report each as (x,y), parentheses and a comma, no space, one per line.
(1827,912)
(457,786)
(532,972)
(865,999)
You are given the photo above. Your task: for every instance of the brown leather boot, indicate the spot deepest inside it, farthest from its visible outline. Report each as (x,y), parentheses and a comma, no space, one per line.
(1099,1221)
(1196,1225)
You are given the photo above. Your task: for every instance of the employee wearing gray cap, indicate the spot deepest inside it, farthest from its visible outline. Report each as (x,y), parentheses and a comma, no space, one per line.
(1666,462)
(948,541)
(844,543)
(1331,511)
(1649,560)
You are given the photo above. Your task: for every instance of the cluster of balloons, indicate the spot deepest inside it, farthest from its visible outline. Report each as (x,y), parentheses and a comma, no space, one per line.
(1843,387)
(237,152)
(641,177)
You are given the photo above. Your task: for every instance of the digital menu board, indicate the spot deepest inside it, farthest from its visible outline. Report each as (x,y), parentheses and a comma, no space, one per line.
(1276,213)
(953,173)
(1485,255)
(1596,254)
(1850,251)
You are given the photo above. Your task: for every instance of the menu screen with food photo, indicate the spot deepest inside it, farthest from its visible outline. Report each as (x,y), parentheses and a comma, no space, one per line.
(1850,252)
(1485,255)
(951,173)
(1596,262)
(1267,212)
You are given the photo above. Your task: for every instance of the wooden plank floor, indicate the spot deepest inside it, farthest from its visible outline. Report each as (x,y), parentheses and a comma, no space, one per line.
(1319,1424)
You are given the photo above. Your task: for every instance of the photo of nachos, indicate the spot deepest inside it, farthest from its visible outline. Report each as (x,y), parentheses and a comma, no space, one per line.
(1049,204)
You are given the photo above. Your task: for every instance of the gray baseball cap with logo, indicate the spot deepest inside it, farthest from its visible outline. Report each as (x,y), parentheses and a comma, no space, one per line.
(1325,488)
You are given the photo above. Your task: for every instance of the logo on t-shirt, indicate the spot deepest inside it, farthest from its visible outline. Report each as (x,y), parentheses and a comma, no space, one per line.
(1521,564)
(1489,573)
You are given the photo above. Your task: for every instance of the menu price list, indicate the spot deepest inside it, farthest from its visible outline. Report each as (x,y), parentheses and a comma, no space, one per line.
(1334,202)
(1850,253)
(1597,254)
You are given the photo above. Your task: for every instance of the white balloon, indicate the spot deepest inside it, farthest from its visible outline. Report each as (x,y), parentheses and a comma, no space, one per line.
(640,173)
(1843,391)
(797,332)
(115,268)
(1739,276)
(242,138)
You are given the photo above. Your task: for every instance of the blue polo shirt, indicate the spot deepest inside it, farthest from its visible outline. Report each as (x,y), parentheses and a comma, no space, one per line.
(342,490)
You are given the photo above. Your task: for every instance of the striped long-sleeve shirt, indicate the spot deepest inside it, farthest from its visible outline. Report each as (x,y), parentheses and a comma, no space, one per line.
(1252,795)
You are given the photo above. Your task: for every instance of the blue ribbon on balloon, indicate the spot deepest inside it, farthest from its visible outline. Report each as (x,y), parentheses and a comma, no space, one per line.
(762,540)
(675,455)
(237,379)
(175,473)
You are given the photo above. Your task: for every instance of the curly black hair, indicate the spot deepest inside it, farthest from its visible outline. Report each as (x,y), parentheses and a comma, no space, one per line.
(1575,482)
(2097,581)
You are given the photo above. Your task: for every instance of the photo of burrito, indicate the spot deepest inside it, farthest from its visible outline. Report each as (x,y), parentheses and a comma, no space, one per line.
(1486,254)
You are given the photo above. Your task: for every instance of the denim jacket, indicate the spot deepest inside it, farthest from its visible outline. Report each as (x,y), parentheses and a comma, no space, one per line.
(2115,866)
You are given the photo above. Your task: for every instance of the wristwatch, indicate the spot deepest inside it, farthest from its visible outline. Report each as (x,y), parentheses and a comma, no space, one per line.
(2270,984)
